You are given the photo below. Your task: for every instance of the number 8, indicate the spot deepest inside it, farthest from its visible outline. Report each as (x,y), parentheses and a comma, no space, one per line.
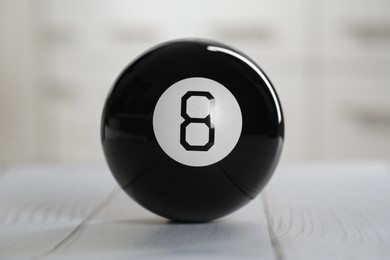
(193,120)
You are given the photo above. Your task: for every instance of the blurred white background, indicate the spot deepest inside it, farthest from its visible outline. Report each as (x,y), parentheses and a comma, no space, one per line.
(329,61)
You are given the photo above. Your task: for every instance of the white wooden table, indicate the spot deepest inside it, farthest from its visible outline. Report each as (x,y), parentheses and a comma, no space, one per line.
(307,211)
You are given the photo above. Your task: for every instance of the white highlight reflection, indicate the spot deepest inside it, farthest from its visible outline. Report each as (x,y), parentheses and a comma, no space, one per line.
(255,68)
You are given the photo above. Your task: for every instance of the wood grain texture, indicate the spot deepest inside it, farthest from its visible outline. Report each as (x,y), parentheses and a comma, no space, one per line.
(331,211)
(123,229)
(52,212)
(42,205)
(308,211)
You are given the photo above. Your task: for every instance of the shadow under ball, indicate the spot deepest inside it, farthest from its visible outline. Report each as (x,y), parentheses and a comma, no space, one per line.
(192,130)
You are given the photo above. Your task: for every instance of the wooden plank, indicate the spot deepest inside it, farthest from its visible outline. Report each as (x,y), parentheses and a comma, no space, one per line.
(330,211)
(42,205)
(125,230)
(79,212)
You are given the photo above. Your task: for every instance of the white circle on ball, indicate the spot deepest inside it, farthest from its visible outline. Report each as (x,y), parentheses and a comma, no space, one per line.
(205,114)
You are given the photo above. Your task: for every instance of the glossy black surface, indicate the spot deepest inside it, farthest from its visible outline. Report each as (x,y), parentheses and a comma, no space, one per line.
(150,176)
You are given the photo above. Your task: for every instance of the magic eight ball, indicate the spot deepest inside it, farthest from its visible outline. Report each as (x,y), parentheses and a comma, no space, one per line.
(192,130)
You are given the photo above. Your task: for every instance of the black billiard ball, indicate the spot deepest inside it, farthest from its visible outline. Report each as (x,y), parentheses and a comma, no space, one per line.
(192,130)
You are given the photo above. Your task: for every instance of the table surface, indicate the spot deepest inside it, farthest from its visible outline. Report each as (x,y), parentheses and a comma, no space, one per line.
(337,210)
